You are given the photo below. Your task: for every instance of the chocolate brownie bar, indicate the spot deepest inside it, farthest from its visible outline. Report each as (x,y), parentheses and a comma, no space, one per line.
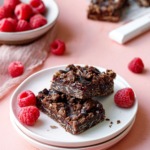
(144,3)
(73,114)
(106,10)
(83,82)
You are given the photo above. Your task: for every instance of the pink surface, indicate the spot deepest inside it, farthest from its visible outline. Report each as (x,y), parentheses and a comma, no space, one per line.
(88,43)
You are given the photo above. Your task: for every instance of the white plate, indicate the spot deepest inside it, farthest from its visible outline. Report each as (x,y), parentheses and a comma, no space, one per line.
(59,137)
(30,35)
(100,146)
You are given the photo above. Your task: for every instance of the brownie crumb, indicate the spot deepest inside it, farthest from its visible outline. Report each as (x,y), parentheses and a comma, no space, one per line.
(54,127)
(107,119)
(111,123)
(118,121)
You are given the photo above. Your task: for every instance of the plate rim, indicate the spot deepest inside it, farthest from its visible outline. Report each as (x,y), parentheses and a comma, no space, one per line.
(122,134)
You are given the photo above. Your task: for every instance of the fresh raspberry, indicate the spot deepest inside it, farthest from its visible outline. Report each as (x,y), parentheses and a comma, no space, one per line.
(13,21)
(124,98)
(11,3)
(6,25)
(29,115)
(3,13)
(22,25)
(23,11)
(15,68)
(58,47)
(136,65)
(38,5)
(26,98)
(37,21)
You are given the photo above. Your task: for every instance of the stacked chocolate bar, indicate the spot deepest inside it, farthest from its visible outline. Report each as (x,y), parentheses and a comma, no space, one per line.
(111,10)
(144,3)
(69,99)
(106,10)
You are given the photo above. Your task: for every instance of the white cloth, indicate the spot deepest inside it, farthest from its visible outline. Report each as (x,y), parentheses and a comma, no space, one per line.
(31,55)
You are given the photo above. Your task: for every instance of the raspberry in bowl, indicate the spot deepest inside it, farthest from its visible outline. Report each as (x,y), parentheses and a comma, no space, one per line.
(26,20)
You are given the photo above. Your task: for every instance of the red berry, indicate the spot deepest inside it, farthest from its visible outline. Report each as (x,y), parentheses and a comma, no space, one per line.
(38,5)
(58,47)
(26,98)
(124,98)
(136,65)
(13,21)
(37,21)
(6,25)
(29,115)
(23,11)
(11,3)
(3,13)
(15,68)
(22,25)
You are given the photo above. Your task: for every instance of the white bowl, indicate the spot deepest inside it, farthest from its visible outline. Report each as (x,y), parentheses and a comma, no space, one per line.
(31,35)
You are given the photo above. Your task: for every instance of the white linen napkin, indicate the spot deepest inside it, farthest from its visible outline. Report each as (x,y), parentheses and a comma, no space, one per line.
(31,55)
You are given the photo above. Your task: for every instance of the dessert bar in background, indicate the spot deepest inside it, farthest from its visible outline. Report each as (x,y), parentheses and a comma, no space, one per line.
(144,3)
(75,115)
(83,82)
(106,10)
(112,10)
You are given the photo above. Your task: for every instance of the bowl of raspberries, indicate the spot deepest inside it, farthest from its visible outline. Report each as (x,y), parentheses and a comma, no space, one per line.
(23,21)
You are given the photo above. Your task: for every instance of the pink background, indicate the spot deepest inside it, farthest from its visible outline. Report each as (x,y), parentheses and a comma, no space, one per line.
(88,43)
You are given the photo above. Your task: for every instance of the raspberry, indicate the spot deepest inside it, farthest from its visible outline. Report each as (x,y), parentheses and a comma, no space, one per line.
(124,98)
(26,98)
(13,21)
(58,47)
(6,25)
(22,25)
(29,115)
(3,13)
(15,68)
(37,21)
(136,65)
(38,5)
(23,11)
(11,3)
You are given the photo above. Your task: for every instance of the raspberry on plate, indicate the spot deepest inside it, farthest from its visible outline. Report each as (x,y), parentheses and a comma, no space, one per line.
(23,11)
(136,65)
(38,5)
(26,98)
(29,115)
(22,25)
(15,68)
(124,98)
(58,47)
(6,25)
(37,21)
